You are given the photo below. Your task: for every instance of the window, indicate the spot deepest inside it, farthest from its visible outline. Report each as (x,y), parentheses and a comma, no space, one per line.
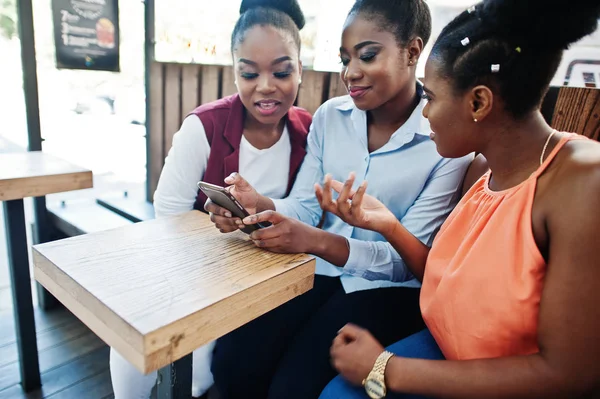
(90,118)
(187,32)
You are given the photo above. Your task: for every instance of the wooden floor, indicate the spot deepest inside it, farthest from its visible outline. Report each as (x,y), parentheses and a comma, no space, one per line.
(73,361)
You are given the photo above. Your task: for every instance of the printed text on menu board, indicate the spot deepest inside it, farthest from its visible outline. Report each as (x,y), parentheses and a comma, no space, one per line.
(86,34)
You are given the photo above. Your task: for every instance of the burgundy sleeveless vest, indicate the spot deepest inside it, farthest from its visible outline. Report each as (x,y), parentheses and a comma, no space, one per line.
(223,121)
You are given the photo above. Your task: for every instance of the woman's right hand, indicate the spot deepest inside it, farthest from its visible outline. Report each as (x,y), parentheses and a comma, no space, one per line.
(244,193)
(355,207)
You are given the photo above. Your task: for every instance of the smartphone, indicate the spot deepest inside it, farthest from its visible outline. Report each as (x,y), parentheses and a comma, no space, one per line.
(222,197)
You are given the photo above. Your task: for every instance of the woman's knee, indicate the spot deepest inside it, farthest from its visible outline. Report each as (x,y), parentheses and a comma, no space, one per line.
(202,377)
(127,381)
(338,388)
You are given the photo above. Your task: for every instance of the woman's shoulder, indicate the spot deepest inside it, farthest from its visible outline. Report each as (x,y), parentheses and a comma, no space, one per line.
(477,168)
(573,178)
(222,105)
(301,114)
(334,108)
(579,160)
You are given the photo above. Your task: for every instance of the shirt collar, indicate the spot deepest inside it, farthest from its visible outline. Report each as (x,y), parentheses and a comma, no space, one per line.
(415,123)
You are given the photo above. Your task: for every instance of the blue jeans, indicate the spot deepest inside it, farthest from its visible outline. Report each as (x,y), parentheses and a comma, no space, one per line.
(420,345)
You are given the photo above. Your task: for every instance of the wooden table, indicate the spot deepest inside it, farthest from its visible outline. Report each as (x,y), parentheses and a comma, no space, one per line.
(157,290)
(30,174)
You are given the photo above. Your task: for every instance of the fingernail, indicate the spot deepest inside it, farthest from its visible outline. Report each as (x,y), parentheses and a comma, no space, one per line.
(228,214)
(248,220)
(229,178)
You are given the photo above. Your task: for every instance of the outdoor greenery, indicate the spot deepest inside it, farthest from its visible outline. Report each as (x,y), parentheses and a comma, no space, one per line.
(8,18)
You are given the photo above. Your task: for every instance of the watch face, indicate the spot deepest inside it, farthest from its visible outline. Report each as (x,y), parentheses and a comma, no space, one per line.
(375,388)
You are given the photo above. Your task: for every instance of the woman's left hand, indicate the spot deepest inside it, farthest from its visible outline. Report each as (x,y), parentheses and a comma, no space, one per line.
(286,235)
(353,353)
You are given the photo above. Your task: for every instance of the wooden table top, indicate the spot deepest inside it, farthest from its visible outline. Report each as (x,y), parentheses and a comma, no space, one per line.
(157,290)
(35,173)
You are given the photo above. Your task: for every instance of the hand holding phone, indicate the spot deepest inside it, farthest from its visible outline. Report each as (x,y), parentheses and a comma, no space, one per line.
(222,197)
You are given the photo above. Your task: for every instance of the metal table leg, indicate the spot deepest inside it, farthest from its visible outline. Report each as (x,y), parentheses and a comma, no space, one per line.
(18,262)
(41,234)
(175,381)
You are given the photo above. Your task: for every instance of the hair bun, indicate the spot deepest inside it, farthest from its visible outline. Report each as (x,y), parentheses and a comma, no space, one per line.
(541,23)
(288,7)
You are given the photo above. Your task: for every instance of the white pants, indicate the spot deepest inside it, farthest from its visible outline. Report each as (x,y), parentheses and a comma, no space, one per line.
(129,383)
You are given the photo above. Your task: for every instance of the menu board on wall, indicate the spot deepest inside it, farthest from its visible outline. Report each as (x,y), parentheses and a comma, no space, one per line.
(86,34)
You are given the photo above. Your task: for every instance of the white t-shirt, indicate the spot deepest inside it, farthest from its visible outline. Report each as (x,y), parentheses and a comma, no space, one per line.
(266,170)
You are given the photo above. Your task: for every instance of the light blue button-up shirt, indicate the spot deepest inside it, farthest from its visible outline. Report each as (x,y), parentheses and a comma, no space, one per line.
(407,175)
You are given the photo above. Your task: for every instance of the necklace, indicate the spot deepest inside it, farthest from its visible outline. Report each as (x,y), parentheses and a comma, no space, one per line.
(545,147)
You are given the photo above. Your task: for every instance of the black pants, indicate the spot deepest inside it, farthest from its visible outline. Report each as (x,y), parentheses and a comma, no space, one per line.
(284,354)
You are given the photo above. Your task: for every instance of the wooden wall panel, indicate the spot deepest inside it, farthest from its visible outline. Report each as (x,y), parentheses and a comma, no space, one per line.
(336,86)
(311,93)
(177,89)
(156,122)
(578,110)
(229,87)
(210,83)
(172,103)
(190,75)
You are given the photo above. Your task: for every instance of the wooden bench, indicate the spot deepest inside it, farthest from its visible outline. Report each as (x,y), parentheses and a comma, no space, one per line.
(573,109)
(176,89)
(75,218)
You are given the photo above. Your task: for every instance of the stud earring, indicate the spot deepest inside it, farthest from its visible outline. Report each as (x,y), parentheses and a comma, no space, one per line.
(299,80)
(475,120)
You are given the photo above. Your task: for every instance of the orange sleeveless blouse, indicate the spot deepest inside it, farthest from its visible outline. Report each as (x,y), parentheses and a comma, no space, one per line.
(484,276)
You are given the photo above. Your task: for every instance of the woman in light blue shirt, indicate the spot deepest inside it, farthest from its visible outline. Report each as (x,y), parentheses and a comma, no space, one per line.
(378,132)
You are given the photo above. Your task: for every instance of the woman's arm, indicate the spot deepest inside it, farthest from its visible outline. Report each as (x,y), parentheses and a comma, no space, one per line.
(406,249)
(184,167)
(289,235)
(364,211)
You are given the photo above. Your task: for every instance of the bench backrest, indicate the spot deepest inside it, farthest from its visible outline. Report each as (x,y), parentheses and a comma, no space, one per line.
(176,89)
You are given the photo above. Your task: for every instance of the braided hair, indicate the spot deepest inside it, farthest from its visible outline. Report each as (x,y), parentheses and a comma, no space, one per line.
(512,46)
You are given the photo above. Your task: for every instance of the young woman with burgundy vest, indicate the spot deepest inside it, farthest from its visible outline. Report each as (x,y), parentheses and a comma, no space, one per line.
(256,131)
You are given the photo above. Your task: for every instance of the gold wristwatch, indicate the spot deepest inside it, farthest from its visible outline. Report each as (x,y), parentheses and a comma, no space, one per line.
(375,382)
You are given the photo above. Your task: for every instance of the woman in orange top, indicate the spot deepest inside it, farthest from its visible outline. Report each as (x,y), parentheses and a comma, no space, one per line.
(511,284)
